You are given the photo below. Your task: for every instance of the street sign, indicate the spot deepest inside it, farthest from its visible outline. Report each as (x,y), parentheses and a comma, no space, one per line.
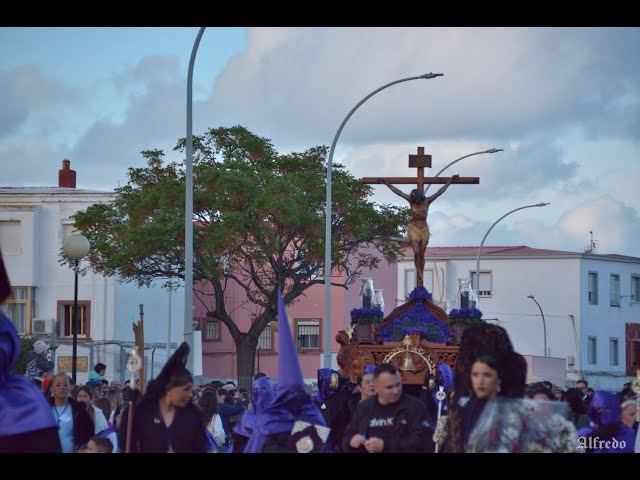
(64,363)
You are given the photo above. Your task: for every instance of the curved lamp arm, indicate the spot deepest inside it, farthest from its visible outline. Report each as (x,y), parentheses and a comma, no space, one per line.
(491,150)
(327,256)
(544,323)
(491,228)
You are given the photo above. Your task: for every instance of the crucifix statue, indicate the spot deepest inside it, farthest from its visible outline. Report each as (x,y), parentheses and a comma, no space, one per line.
(418,229)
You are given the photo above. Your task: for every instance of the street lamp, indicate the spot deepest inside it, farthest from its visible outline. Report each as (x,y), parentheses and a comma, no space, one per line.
(544,324)
(327,250)
(485,237)
(75,247)
(491,150)
(188,210)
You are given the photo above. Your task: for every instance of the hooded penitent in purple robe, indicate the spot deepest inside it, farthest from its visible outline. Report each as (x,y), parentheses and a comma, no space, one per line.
(609,434)
(292,402)
(23,408)
(262,396)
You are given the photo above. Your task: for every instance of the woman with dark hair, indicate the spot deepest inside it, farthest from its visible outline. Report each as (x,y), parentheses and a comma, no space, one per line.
(477,340)
(539,391)
(497,419)
(84,397)
(485,384)
(577,411)
(366,388)
(208,403)
(165,419)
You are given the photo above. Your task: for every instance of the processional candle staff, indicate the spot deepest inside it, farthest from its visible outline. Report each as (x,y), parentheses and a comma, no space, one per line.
(440,395)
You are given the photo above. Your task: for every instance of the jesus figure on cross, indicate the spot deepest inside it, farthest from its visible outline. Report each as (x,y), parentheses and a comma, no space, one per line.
(418,229)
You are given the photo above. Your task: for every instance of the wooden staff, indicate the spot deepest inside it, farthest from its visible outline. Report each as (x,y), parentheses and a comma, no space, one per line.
(138,332)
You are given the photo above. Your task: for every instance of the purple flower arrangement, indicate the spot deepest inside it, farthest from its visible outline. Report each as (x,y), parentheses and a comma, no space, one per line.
(364,316)
(420,293)
(465,316)
(418,319)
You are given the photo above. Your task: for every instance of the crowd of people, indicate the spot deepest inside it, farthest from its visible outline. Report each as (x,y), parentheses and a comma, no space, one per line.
(482,405)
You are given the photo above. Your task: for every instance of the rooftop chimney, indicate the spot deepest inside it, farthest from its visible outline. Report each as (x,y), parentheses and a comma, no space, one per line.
(66,176)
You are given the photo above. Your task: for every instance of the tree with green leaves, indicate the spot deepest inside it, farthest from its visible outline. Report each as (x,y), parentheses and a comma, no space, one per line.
(259,221)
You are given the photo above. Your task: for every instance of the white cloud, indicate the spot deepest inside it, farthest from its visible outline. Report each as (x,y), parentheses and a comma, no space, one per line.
(564,103)
(23,90)
(300,83)
(30,162)
(615,227)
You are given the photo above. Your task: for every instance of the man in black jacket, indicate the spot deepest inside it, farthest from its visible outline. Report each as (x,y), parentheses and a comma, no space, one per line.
(390,421)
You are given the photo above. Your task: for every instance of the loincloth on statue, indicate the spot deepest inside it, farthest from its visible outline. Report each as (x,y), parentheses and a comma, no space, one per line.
(418,234)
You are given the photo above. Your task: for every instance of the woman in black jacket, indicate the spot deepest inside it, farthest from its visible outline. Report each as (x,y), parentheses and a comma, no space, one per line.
(165,419)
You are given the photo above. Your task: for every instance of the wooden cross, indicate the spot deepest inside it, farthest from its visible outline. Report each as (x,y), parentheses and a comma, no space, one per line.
(420,161)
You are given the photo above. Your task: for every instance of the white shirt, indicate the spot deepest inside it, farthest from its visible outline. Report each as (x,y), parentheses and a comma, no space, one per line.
(100,423)
(216,429)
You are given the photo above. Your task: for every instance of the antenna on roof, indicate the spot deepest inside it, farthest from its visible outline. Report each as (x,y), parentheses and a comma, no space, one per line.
(593,245)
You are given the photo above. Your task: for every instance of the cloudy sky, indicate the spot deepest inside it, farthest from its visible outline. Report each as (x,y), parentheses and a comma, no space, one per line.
(563,103)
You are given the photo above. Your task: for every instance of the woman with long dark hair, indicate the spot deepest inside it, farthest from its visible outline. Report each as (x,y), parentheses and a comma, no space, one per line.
(208,403)
(577,410)
(477,340)
(165,419)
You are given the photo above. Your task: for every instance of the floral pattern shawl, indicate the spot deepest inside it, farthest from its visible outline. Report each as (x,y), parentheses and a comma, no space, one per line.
(509,425)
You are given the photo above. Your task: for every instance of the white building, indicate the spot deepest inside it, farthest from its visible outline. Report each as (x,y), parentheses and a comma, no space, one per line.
(34,222)
(590,302)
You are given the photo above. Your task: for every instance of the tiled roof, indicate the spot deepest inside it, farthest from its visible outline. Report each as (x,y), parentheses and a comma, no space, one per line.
(516,250)
(503,250)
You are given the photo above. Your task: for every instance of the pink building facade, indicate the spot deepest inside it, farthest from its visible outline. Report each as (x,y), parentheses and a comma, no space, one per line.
(307,314)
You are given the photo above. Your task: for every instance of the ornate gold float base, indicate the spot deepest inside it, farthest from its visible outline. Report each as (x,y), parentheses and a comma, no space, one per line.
(425,357)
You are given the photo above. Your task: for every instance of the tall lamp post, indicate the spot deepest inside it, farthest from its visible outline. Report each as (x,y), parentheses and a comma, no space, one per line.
(477,283)
(75,247)
(327,250)
(188,210)
(544,323)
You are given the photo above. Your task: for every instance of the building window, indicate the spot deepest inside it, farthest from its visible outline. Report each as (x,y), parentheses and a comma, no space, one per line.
(211,329)
(484,289)
(635,357)
(265,340)
(409,281)
(635,288)
(592,344)
(20,307)
(614,290)
(593,288)
(613,352)
(308,334)
(65,318)
(10,238)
